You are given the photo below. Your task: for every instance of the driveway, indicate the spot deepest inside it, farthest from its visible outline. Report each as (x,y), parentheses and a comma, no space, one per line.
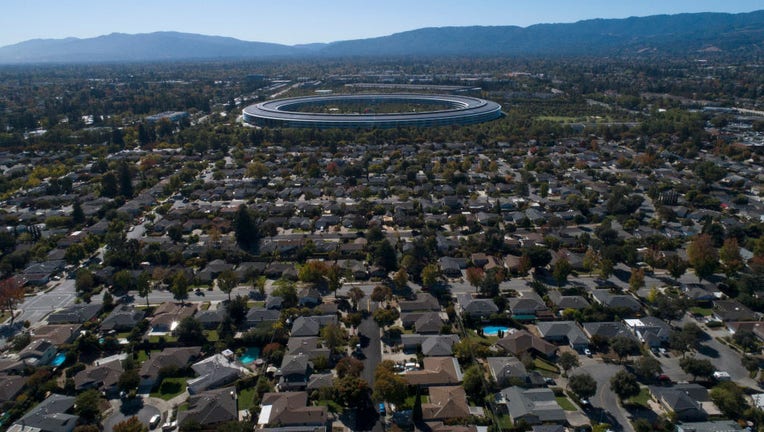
(607,409)
(139,407)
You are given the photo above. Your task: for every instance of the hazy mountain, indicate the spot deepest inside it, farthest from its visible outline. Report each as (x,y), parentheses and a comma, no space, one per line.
(678,34)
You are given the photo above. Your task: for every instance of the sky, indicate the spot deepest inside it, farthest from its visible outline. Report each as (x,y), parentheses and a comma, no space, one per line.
(305,21)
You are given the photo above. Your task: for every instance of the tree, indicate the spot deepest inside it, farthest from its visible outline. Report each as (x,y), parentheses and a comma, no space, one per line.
(125,180)
(313,272)
(143,284)
(669,307)
(703,256)
(747,340)
(623,346)
(729,254)
(386,316)
(130,425)
(227,282)
(109,185)
(11,294)
(385,256)
(751,364)
(333,276)
(687,338)
(86,405)
(676,266)
(606,268)
(74,254)
(84,281)
(190,332)
(245,229)
(560,270)
(334,336)
(350,390)
(349,366)
(709,172)
(583,385)
(538,255)
(123,281)
(489,287)
(430,275)
(388,385)
(475,276)
(730,399)
(381,293)
(637,279)
(698,368)
(647,368)
(78,215)
(473,382)
(129,380)
(355,294)
(568,361)
(179,287)
(417,416)
(624,384)
(401,279)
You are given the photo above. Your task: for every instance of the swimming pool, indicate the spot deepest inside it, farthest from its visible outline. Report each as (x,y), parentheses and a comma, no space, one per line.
(250,355)
(59,359)
(494,330)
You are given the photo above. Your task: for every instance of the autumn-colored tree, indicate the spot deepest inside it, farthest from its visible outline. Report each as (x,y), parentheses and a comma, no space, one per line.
(11,294)
(729,254)
(355,294)
(130,425)
(637,279)
(381,293)
(227,282)
(703,256)
(475,276)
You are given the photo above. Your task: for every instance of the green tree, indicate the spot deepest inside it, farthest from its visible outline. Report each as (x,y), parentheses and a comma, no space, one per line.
(86,405)
(401,279)
(334,336)
(686,339)
(355,294)
(730,399)
(350,390)
(729,254)
(624,384)
(109,185)
(539,256)
(750,363)
(567,361)
(125,180)
(637,279)
(606,268)
(417,416)
(227,282)
(430,275)
(560,270)
(129,380)
(143,284)
(74,254)
(647,368)
(349,366)
(78,216)
(623,346)
(245,229)
(190,332)
(385,256)
(703,256)
(583,385)
(698,368)
(130,425)
(388,385)
(84,281)
(473,382)
(381,293)
(179,287)
(676,266)
(386,316)
(123,281)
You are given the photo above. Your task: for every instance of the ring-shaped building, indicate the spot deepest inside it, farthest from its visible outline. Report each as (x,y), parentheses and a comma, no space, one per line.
(460,110)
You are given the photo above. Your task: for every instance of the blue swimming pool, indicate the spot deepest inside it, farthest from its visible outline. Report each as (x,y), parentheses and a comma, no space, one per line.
(59,359)
(494,330)
(250,355)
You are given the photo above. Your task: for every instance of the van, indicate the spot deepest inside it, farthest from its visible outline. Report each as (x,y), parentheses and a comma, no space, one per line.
(154,422)
(722,376)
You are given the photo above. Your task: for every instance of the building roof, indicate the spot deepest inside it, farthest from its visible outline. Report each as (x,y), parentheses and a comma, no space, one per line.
(211,407)
(532,404)
(611,300)
(445,403)
(99,377)
(49,416)
(10,386)
(214,371)
(123,317)
(476,306)
(436,371)
(423,302)
(608,330)
(552,330)
(522,341)
(77,314)
(290,408)
(168,357)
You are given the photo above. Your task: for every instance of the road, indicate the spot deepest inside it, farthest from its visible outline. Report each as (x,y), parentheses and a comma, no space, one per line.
(161,296)
(37,307)
(142,408)
(605,401)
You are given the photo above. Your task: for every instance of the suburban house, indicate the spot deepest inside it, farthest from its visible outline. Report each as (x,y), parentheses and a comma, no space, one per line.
(534,406)
(103,378)
(423,302)
(529,307)
(258,315)
(178,357)
(211,407)
(685,400)
(507,371)
(58,334)
(437,371)
(709,426)
(562,302)
(649,330)
(310,346)
(213,372)
(732,310)
(522,341)
(167,316)
(294,371)
(476,307)
(447,402)
(51,415)
(566,332)
(38,353)
(311,325)
(122,318)
(11,386)
(431,345)
(616,301)
(291,408)
(74,314)
(608,330)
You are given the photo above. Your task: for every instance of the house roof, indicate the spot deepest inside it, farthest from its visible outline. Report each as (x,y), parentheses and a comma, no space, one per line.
(290,408)
(74,314)
(445,403)
(611,300)
(10,386)
(213,372)
(168,357)
(50,415)
(292,364)
(428,322)
(475,306)
(608,330)
(103,376)
(211,407)
(522,341)
(538,402)
(123,316)
(423,302)
(437,371)
(560,329)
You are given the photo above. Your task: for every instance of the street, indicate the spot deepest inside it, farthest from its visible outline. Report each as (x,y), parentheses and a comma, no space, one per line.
(36,307)
(605,401)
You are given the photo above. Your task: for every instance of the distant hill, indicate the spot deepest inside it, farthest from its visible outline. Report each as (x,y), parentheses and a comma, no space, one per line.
(671,34)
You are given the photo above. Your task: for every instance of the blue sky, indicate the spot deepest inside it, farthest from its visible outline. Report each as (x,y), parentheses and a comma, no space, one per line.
(303,21)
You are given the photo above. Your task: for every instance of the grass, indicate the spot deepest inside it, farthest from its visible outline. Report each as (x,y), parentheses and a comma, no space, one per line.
(695,310)
(503,422)
(246,397)
(168,338)
(332,405)
(640,399)
(213,336)
(409,402)
(545,366)
(565,403)
(142,357)
(169,388)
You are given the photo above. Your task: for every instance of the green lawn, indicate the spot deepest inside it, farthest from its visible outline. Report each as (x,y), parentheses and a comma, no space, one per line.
(332,405)
(504,422)
(641,398)
(409,402)
(565,403)
(246,397)
(142,357)
(545,366)
(167,338)
(170,387)
(695,310)
(213,336)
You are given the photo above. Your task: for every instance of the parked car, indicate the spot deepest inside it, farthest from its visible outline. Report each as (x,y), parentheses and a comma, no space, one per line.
(154,422)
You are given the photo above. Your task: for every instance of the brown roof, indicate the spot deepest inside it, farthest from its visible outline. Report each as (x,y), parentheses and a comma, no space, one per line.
(445,403)
(437,371)
(98,377)
(290,408)
(169,357)
(521,341)
(10,386)
(59,334)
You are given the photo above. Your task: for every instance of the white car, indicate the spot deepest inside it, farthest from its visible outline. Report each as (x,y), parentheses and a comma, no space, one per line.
(587,352)
(154,422)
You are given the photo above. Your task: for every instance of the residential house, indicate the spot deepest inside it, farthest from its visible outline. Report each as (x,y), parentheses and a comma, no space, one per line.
(211,407)
(294,372)
(168,315)
(709,426)
(534,406)
(608,330)
(309,297)
(649,330)
(211,318)
(259,315)
(75,314)
(38,353)
(684,400)
(423,302)
(178,357)
(616,301)
(311,325)
(103,377)
(508,371)
(476,307)
(563,332)
(428,323)
(446,402)
(529,306)
(522,341)
(436,371)
(431,345)
(51,415)
(57,334)
(310,346)
(212,270)
(214,372)
(10,387)
(451,267)
(123,318)
(562,302)
(732,310)
(288,409)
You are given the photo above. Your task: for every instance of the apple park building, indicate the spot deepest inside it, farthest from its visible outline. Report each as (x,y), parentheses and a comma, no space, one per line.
(321,111)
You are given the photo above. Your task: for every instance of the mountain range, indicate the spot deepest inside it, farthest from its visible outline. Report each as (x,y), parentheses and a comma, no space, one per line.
(672,34)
